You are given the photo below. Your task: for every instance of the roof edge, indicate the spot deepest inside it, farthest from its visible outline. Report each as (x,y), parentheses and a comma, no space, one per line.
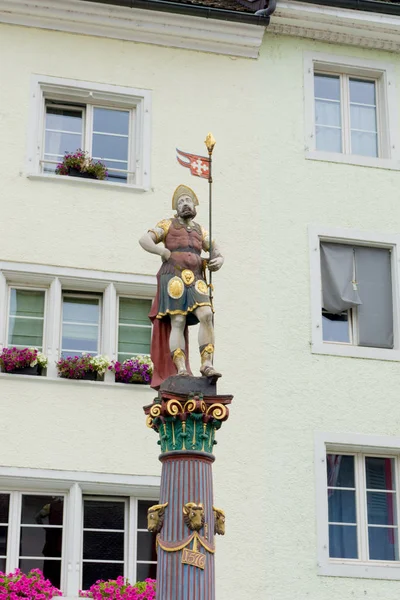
(194,10)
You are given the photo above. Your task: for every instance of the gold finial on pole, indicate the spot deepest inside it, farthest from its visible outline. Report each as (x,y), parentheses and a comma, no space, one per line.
(210,142)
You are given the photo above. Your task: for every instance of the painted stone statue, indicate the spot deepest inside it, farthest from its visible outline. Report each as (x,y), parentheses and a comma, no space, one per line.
(182,293)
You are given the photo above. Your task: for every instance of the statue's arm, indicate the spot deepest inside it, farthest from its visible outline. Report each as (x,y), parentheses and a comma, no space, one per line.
(148,241)
(217,260)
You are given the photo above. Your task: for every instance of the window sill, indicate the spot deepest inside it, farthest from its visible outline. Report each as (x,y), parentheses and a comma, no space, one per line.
(355,351)
(108,384)
(88,182)
(350,159)
(366,570)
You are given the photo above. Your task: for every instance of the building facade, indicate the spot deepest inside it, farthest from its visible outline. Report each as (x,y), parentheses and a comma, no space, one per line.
(306,168)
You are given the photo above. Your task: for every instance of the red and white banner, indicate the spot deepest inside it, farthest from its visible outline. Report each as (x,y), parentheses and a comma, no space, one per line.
(198,165)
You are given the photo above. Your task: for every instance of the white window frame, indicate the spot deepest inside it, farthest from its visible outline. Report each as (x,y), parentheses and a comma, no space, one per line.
(362,238)
(342,443)
(28,288)
(57,280)
(133,326)
(94,94)
(387,117)
(74,485)
(83,295)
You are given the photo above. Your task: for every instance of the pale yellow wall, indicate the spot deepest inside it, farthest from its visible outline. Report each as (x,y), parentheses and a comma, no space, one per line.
(266,195)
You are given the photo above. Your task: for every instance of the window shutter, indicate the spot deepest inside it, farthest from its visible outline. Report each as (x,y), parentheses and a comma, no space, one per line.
(375,314)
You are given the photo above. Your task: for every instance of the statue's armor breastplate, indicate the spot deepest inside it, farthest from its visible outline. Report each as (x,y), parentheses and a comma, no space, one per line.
(185,245)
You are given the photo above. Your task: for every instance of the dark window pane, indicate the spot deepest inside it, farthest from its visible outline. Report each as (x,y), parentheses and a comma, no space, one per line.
(383,543)
(51,569)
(327,113)
(3,540)
(81,310)
(145,571)
(327,86)
(340,470)
(146,546)
(103,546)
(41,541)
(110,146)
(134,311)
(343,541)
(92,572)
(26,303)
(104,515)
(4,507)
(364,144)
(342,506)
(143,505)
(64,119)
(335,328)
(60,143)
(380,473)
(42,509)
(328,139)
(381,508)
(362,92)
(2,565)
(106,120)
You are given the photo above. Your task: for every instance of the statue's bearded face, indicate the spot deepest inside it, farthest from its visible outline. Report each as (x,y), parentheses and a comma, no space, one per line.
(185,207)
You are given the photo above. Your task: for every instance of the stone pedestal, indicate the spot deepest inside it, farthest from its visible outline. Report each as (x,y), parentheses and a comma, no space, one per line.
(187,414)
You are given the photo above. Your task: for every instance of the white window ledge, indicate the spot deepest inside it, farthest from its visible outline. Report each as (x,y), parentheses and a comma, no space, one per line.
(88,182)
(64,381)
(337,349)
(352,159)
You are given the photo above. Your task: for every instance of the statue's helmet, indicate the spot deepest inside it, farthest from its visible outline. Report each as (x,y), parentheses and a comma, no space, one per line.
(183,190)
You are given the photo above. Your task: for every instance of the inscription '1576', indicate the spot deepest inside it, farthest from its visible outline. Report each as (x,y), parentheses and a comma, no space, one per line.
(191,557)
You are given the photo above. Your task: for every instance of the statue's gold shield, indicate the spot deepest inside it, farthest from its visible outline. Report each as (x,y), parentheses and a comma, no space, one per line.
(188,276)
(175,288)
(201,287)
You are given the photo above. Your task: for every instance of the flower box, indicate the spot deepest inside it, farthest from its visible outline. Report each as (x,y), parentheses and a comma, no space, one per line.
(76,173)
(85,367)
(22,361)
(138,370)
(36,370)
(79,164)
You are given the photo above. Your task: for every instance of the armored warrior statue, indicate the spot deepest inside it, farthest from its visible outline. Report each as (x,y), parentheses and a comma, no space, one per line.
(182,293)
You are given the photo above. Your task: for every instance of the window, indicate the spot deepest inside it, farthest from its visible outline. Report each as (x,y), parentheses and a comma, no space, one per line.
(134,327)
(369,482)
(26,318)
(357,305)
(358,505)
(69,311)
(354,294)
(103,132)
(80,324)
(111,123)
(350,111)
(37,530)
(346,114)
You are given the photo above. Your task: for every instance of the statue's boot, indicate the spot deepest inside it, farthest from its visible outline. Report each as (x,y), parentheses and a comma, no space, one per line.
(207,367)
(179,359)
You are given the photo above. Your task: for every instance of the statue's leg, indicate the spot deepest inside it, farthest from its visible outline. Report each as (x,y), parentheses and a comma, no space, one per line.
(177,343)
(206,341)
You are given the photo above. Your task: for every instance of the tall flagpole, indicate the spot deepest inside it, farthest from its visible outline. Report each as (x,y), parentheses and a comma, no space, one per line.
(210,143)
